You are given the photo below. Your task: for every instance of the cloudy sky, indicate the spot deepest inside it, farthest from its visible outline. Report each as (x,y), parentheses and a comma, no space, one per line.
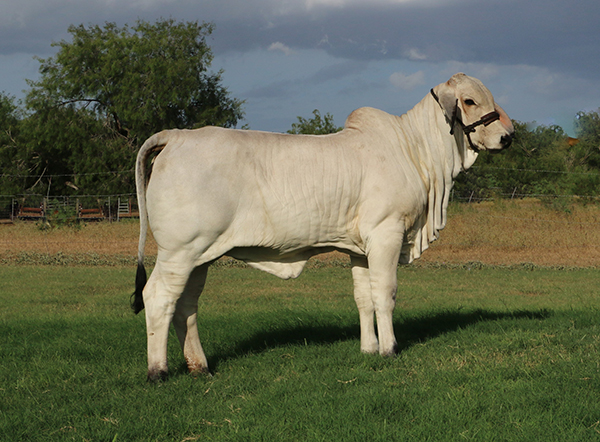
(540,58)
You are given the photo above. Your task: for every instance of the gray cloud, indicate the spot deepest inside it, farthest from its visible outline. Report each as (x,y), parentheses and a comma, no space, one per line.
(537,32)
(337,71)
(538,54)
(279,89)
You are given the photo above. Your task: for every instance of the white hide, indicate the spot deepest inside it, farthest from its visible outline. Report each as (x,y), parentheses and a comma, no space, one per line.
(377,190)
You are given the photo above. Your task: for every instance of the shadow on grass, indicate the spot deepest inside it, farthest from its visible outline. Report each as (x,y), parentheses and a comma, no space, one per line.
(409,331)
(417,330)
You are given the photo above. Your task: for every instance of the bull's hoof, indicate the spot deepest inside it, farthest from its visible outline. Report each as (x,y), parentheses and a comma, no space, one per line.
(199,371)
(198,367)
(157,376)
(391,352)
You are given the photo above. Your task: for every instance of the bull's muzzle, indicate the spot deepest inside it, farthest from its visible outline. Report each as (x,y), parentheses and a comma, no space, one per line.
(506,140)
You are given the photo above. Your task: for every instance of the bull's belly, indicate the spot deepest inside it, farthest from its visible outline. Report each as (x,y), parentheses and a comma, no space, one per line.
(285,264)
(281,244)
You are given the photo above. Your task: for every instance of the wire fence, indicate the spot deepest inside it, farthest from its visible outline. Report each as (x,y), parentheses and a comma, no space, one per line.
(121,206)
(132,171)
(497,193)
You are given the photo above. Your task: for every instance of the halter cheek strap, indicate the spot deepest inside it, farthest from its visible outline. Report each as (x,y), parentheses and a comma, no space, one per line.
(485,120)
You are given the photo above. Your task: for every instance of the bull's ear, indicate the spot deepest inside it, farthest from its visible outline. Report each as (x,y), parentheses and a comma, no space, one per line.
(447,98)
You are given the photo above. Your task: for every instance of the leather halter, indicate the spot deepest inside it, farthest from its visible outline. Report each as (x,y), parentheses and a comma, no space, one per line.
(485,120)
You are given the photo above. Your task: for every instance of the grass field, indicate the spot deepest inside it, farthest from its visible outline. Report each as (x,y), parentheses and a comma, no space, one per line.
(487,353)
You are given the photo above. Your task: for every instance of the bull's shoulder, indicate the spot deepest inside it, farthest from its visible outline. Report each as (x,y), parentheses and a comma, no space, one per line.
(368,117)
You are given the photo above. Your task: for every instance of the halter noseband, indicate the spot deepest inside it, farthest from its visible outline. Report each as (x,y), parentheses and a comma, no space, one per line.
(485,120)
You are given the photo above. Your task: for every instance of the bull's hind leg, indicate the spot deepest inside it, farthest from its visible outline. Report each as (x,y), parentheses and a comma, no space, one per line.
(364,302)
(185,321)
(164,288)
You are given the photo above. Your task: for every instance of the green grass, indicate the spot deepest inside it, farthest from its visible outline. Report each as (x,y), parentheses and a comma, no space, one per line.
(487,354)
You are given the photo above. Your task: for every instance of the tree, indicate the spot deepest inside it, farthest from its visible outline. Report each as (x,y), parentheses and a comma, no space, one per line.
(11,165)
(110,88)
(316,126)
(587,126)
(540,161)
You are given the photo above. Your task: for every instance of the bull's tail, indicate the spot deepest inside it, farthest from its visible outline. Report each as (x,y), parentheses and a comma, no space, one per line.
(137,299)
(153,144)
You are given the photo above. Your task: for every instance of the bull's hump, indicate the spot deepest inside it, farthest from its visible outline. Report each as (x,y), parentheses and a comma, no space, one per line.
(366,117)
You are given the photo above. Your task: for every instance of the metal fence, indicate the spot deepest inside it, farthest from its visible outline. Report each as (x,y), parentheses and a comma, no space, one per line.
(76,208)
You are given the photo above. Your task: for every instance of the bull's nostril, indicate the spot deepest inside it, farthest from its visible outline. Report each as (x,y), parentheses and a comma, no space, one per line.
(506,140)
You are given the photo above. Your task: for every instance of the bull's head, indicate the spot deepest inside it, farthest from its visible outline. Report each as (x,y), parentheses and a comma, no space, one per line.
(467,103)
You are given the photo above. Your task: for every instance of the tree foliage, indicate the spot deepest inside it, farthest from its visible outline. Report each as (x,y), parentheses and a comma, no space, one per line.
(109,88)
(318,125)
(542,160)
(11,161)
(587,125)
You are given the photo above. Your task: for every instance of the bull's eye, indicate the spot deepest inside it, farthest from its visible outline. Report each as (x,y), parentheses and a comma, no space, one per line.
(469,102)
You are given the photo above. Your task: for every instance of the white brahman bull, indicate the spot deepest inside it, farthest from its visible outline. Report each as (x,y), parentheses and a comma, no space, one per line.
(378,191)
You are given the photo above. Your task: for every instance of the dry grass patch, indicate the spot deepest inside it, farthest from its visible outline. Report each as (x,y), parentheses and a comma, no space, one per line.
(509,232)
(494,233)
(101,238)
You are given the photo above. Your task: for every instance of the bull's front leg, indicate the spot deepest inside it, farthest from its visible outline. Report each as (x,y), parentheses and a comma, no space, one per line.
(383,252)
(364,302)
